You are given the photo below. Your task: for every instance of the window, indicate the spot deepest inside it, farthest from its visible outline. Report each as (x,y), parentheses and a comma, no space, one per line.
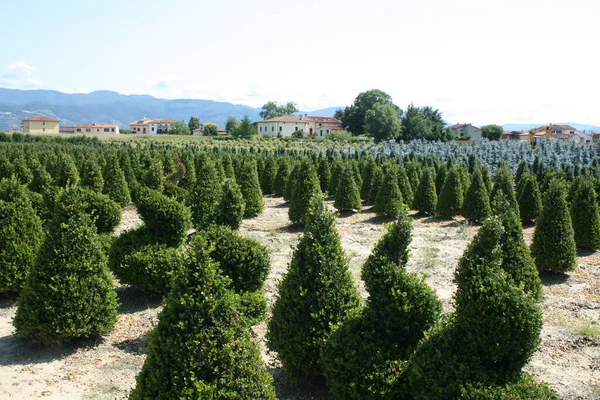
(260,129)
(144,131)
(152,129)
(112,129)
(272,129)
(43,129)
(78,129)
(320,124)
(107,130)
(43,123)
(310,131)
(280,128)
(88,130)
(321,132)
(327,130)
(296,129)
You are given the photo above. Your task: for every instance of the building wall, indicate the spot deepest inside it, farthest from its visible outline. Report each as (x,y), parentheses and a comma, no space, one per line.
(40,127)
(98,130)
(285,128)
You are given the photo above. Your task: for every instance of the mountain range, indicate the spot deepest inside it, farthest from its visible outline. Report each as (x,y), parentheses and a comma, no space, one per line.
(111,107)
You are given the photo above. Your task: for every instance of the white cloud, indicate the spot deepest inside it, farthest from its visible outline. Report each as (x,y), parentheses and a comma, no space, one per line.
(20,75)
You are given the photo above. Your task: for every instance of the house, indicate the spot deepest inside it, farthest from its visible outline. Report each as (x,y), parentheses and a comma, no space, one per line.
(97,128)
(288,124)
(567,132)
(41,124)
(151,126)
(66,129)
(200,131)
(473,132)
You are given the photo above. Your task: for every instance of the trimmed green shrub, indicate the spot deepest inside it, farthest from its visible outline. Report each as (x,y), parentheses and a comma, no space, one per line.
(504,183)
(283,173)
(41,178)
(21,236)
(476,206)
(367,175)
(405,187)
(201,349)
(188,180)
(250,188)
(166,220)
(585,217)
(451,196)
(291,181)
(230,209)
(553,244)
(426,198)
(347,195)
(376,181)
(336,168)
(92,176)
(268,175)
(389,202)
(440,178)
(316,293)
(69,292)
(524,388)
(65,171)
(154,177)
(324,174)
(115,185)
(530,198)
(105,213)
(306,188)
(205,195)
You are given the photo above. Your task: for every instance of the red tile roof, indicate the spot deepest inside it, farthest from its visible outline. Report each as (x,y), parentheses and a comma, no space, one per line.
(95,125)
(303,118)
(566,127)
(41,118)
(148,121)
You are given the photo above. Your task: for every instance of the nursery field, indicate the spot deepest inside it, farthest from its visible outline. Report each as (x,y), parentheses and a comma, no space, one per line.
(568,359)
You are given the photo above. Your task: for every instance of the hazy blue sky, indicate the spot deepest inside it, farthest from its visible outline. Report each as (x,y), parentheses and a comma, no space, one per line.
(477,61)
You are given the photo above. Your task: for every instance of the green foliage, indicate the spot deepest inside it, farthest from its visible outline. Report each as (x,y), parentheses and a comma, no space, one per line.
(201,347)
(504,183)
(267,177)
(65,171)
(347,195)
(194,123)
(211,129)
(530,198)
(492,132)
(405,186)
(316,293)
(205,195)
(553,244)
(92,176)
(524,388)
(389,202)
(367,174)
(115,185)
(272,110)
(69,292)
(451,196)
(476,206)
(324,173)
(105,213)
(250,188)
(154,178)
(382,122)
(306,188)
(353,117)
(231,124)
(245,129)
(21,235)
(179,128)
(585,217)
(376,182)
(230,209)
(424,123)
(426,198)
(166,220)
(281,178)
(290,182)
(336,170)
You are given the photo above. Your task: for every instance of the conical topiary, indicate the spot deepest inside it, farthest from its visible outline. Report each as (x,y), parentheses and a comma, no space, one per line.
(585,217)
(405,187)
(530,198)
(92,176)
(306,187)
(426,198)
(21,235)
(115,185)
(230,209)
(336,169)
(504,183)
(69,292)
(389,201)
(205,194)
(324,173)
(347,195)
(283,172)
(316,293)
(201,348)
(267,177)
(376,181)
(154,178)
(476,206)
(367,174)
(451,196)
(165,219)
(290,182)
(553,244)
(365,354)
(250,188)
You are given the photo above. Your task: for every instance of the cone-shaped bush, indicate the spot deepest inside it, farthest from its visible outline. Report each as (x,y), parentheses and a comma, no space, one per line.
(105,212)
(283,173)
(41,178)
(166,220)
(92,176)
(115,185)
(405,187)
(553,244)
(367,175)
(476,206)
(336,169)
(21,236)
(426,198)
(69,292)
(451,196)
(201,349)
(267,178)
(376,181)
(324,173)
(205,195)
(189,178)
(504,183)
(291,181)
(154,177)
(440,178)
(250,188)
(530,198)
(389,202)
(585,217)
(316,293)
(230,209)
(66,173)
(364,356)
(347,195)
(306,188)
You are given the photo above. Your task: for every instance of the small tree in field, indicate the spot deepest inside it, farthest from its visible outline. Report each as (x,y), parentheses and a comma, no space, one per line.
(250,187)
(316,293)
(69,293)
(230,209)
(530,198)
(283,172)
(476,206)
(553,244)
(201,348)
(504,183)
(305,188)
(451,196)
(426,197)
(205,195)
(376,181)
(115,185)
(347,195)
(585,216)
(389,202)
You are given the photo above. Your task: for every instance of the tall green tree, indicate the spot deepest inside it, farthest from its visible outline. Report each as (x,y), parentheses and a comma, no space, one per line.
(476,206)
(426,198)
(245,129)
(179,128)
(492,132)
(347,195)
(353,117)
(231,124)
(306,187)
(382,122)
(211,129)
(585,216)
(194,123)
(271,109)
(250,187)
(423,123)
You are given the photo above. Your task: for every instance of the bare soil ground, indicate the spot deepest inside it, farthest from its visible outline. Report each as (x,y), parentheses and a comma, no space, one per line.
(569,358)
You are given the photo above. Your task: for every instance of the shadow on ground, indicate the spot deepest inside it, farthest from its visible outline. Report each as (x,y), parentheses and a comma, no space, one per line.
(133,300)
(17,350)
(553,278)
(137,346)
(288,390)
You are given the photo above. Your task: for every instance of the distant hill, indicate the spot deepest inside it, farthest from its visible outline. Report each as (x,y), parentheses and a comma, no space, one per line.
(525,127)
(111,107)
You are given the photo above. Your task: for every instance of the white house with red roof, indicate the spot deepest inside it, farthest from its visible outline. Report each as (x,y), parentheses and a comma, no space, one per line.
(288,124)
(41,124)
(151,126)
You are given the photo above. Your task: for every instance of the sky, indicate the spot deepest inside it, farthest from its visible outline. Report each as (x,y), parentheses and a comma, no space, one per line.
(510,61)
